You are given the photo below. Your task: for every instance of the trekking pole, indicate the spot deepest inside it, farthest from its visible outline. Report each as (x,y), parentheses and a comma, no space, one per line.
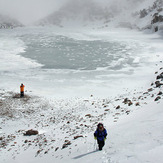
(95,145)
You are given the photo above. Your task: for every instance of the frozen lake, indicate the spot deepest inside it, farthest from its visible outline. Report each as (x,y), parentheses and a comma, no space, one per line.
(67,63)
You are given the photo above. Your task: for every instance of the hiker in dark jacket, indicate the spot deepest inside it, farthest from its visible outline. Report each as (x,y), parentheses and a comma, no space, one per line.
(100,135)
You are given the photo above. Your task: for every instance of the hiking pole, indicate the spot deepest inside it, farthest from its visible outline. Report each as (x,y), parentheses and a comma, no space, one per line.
(95,144)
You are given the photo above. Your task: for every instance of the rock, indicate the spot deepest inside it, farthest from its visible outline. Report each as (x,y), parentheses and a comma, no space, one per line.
(80,136)
(137,104)
(31,132)
(160,93)
(38,152)
(88,115)
(118,107)
(158,84)
(130,103)
(160,76)
(157,98)
(45,152)
(125,101)
(107,109)
(157,18)
(127,112)
(65,145)
(150,89)
(156,28)
(26,141)
(56,148)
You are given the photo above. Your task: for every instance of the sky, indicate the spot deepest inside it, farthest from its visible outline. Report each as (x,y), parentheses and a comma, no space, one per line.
(28,11)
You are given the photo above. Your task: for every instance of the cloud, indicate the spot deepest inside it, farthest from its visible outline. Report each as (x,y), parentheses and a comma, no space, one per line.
(28,11)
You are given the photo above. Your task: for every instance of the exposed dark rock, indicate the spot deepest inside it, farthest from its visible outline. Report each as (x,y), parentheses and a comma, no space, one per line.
(157,98)
(160,76)
(130,103)
(88,115)
(150,89)
(157,18)
(65,145)
(160,93)
(158,84)
(26,141)
(156,28)
(31,132)
(118,107)
(127,112)
(137,104)
(125,101)
(80,136)
(56,148)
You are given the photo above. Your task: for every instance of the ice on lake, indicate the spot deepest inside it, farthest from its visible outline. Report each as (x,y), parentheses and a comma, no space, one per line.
(57,62)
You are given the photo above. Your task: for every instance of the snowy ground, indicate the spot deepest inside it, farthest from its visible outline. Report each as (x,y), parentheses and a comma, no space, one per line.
(132,117)
(134,128)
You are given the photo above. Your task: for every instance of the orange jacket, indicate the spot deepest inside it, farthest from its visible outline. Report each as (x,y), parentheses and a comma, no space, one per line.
(22,88)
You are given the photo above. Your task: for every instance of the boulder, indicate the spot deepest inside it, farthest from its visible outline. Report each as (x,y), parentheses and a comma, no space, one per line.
(157,18)
(160,76)
(118,107)
(158,84)
(31,132)
(80,136)
(88,115)
(66,144)
(157,98)
(160,93)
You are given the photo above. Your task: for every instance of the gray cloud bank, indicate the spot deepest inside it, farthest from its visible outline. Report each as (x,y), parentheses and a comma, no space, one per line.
(28,11)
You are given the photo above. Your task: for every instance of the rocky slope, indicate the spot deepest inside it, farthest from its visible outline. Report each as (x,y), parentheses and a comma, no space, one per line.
(62,124)
(131,14)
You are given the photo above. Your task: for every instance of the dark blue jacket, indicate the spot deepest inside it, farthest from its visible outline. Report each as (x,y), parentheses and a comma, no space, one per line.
(101,135)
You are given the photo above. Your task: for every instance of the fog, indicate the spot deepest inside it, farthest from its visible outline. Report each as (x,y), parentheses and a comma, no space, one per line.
(29,11)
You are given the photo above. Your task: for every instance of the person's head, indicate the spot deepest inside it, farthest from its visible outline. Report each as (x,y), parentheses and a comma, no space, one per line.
(21,84)
(100,126)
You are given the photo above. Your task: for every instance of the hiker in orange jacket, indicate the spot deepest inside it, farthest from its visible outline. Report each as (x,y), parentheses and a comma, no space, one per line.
(22,90)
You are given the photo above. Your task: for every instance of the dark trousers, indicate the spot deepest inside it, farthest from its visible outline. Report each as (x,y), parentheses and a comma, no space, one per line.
(22,94)
(100,144)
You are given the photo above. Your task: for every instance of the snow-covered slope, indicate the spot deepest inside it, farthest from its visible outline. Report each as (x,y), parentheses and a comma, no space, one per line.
(144,14)
(6,22)
(133,121)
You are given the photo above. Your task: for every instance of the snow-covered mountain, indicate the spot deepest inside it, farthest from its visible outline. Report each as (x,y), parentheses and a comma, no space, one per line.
(7,22)
(151,17)
(141,14)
